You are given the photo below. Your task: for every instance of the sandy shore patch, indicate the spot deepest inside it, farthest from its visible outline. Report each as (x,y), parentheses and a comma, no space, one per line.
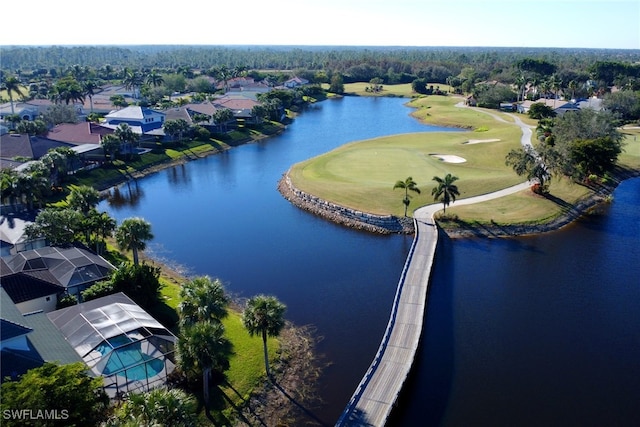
(480,141)
(449,158)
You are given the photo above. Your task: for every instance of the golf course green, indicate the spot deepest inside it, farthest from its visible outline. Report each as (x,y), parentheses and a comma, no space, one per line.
(361,175)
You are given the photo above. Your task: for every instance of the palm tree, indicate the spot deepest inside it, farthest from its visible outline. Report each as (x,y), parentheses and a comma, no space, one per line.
(9,182)
(221,117)
(203,300)
(573,85)
(202,347)
(264,315)
(69,90)
(224,74)
(132,80)
(102,225)
(555,84)
(407,184)
(89,87)
(12,85)
(160,406)
(110,145)
(133,234)
(127,137)
(83,198)
(154,78)
(520,82)
(446,191)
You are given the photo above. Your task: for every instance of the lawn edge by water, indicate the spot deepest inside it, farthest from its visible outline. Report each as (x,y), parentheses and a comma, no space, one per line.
(565,203)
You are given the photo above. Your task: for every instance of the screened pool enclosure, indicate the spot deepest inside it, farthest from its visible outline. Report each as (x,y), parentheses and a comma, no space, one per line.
(120,342)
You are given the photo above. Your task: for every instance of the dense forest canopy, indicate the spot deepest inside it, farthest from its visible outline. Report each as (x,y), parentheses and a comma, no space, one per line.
(337,59)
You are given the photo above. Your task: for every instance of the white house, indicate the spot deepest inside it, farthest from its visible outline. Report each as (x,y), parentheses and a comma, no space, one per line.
(142,120)
(558,106)
(295,82)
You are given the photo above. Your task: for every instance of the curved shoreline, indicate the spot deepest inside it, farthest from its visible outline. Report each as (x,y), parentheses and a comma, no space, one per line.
(381,224)
(454,229)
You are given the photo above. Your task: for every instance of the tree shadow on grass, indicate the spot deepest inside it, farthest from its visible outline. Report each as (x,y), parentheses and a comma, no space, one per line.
(306,411)
(565,206)
(238,409)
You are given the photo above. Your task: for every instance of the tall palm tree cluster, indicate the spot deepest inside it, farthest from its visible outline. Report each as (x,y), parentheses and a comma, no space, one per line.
(202,345)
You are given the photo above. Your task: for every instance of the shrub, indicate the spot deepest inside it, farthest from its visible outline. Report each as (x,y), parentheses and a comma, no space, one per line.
(66,301)
(98,290)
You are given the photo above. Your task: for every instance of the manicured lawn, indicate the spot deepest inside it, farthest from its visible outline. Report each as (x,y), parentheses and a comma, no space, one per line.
(403,90)
(524,207)
(442,111)
(361,175)
(246,369)
(247,363)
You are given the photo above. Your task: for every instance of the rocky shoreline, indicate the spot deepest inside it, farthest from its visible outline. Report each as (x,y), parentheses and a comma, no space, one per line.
(389,224)
(381,224)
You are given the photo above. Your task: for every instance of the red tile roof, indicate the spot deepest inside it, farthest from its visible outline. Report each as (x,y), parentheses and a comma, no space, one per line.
(78,133)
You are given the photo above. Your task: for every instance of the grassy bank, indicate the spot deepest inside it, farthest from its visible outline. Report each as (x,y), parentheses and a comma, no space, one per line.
(164,155)
(246,372)
(531,209)
(361,175)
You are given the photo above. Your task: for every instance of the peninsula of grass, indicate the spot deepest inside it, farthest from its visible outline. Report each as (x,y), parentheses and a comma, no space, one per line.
(361,175)
(527,208)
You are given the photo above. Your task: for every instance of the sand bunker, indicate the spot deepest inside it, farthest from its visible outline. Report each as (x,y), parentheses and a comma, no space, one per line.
(449,158)
(480,141)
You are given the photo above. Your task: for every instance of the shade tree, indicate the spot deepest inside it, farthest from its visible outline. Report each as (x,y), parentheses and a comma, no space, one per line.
(77,398)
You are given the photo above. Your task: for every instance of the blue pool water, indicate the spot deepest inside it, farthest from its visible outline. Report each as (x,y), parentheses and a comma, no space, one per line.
(128,360)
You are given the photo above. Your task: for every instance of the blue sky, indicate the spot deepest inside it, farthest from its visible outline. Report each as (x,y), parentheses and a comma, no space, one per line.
(523,23)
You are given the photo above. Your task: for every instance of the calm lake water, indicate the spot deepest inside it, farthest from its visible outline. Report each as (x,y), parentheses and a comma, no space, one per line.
(492,330)
(535,331)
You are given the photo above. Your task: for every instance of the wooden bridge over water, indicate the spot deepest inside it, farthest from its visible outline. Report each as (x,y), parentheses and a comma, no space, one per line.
(378,390)
(377,393)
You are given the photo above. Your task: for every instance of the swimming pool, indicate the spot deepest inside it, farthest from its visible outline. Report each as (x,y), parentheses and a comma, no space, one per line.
(126,359)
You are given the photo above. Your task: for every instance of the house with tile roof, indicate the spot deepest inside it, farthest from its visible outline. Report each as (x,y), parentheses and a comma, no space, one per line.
(78,133)
(31,291)
(32,109)
(240,105)
(295,82)
(74,268)
(32,340)
(12,233)
(558,106)
(118,341)
(143,120)
(23,110)
(13,145)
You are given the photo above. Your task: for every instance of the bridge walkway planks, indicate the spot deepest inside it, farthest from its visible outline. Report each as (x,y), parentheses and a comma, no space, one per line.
(375,396)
